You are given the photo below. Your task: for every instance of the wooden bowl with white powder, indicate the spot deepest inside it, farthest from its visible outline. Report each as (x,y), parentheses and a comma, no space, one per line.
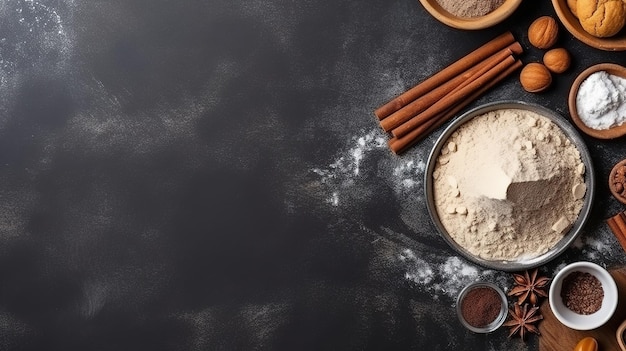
(509,185)
(597,101)
(471,14)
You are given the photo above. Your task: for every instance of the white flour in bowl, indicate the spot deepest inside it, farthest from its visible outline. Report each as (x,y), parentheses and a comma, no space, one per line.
(508,185)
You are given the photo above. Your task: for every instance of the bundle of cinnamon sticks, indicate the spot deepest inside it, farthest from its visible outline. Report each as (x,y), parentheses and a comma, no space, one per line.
(617,224)
(420,110)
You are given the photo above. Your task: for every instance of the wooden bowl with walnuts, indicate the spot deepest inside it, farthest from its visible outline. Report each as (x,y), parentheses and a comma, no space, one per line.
(593,26)
(617,181)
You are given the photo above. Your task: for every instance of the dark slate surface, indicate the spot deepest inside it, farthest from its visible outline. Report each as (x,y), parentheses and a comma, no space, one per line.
(208,175)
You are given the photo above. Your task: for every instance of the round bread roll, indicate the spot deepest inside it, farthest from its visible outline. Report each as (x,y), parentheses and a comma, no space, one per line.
(572,6)
(601,18)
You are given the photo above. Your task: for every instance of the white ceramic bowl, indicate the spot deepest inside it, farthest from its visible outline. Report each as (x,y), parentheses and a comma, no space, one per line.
(577,321)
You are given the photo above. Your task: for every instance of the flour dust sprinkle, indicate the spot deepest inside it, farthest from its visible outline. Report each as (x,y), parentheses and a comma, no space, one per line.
(344,172)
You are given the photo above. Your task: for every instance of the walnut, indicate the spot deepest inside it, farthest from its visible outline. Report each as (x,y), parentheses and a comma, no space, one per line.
(557,60)
(543,32)
(535,77)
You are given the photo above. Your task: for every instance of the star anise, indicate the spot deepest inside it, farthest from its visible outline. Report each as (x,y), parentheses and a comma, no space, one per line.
(523,320)
(529,286)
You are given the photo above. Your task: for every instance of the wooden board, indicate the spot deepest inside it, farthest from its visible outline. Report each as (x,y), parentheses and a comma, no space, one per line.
(557,337)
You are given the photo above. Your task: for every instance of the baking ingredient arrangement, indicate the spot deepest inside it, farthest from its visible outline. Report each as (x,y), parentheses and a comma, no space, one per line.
(509,184)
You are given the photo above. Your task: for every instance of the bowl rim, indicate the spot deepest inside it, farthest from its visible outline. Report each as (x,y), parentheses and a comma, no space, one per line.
(471,23)
(619,335)
(611,133)
(565,242)
(610,290)
(504,309)
(567,17)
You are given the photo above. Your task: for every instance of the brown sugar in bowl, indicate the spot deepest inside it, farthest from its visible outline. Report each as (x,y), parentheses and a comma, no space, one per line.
(471,23)
(572,24)
(617,181)
(611,133)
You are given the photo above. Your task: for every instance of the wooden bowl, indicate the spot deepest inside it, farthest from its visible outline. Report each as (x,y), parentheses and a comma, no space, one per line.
(615,193)
(621,335)
(611,133)
(471,23)
(571,23)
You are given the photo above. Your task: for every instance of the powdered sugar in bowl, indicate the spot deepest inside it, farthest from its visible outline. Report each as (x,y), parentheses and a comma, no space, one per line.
(509,185)
(597,101)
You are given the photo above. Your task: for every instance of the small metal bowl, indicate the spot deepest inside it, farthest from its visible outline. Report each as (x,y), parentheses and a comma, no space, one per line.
(577,321)
(527,263)
(497,322)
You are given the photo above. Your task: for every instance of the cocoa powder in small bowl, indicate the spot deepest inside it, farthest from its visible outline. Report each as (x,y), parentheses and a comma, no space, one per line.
(481,307)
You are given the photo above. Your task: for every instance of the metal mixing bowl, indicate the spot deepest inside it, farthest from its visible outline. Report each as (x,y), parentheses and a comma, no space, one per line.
(569,130)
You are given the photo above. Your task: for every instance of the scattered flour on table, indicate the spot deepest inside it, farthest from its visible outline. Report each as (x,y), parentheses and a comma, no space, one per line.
(12,330)
(409,173)
(38,34)
(600,246)
(257,323)
(345,171)
(35,36)
(447,277)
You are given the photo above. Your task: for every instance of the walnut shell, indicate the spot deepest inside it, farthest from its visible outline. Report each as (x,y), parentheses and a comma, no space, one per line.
(543,32)
(557,60)
(535,77)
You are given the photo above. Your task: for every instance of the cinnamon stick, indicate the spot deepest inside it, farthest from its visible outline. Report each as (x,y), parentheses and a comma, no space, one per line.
(452,98)
(423,102)
(617,224)
(399,145)
(445,74)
